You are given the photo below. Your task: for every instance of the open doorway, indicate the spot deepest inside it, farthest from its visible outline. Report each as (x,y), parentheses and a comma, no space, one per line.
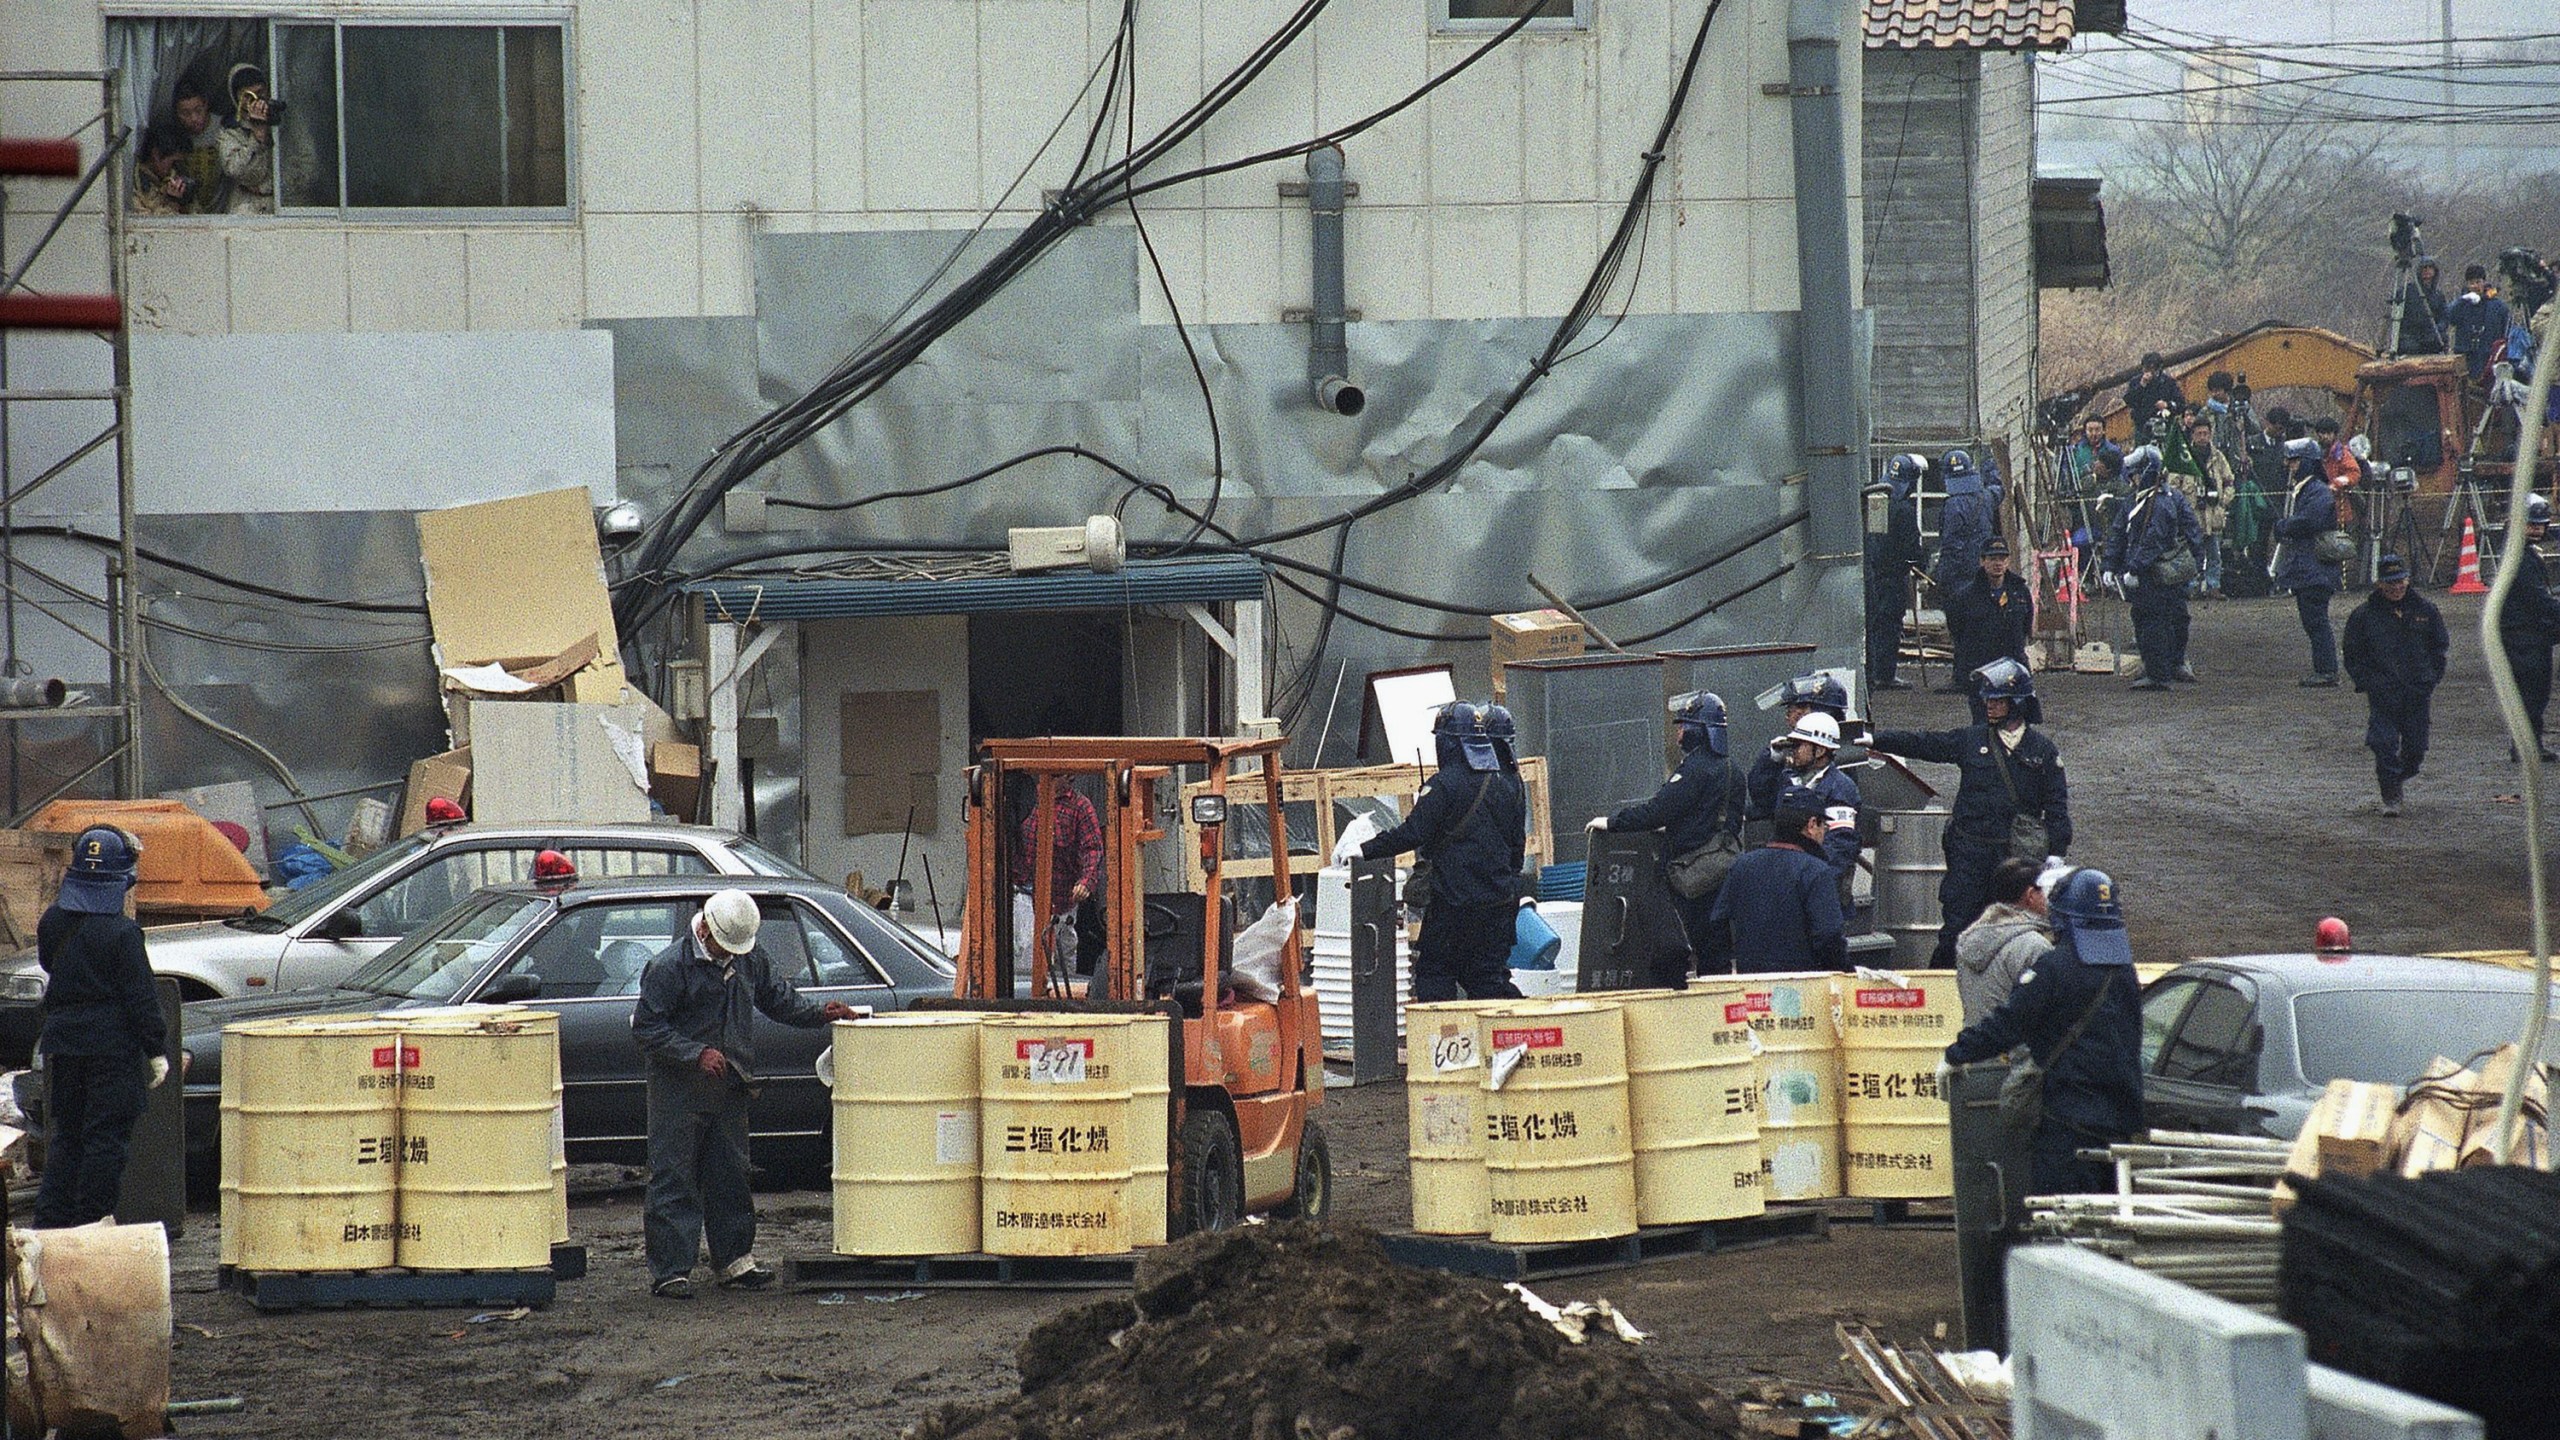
(1043,673)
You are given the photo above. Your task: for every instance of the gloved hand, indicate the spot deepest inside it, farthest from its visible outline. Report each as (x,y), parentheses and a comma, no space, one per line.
(159,1071)
(1597,824)
(838,1010)
(2107,581)
(1354,836)
(1782,747)
(713,1062)
(1346,850)
(2132,582)
(1946,1079)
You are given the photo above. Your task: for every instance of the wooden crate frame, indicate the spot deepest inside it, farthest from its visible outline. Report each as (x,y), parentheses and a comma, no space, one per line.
(1323,787)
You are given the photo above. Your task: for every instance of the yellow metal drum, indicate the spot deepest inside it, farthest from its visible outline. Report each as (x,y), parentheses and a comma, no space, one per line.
(1151,1062)
(1559,1141)
(1799,1069)
(1688,1065)
(1054,1145)
(906,1141)
(310,1143)
(1894,1136)
(476,1112)
(1444,1116)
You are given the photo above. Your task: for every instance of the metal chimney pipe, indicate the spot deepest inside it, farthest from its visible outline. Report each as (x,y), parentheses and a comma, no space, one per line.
(1835,410)
(32,693)
(1328,348)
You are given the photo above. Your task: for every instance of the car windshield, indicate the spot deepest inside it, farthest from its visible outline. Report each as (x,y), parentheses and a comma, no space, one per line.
(760,861)
(296,906)
(435,963)
(2388,1036)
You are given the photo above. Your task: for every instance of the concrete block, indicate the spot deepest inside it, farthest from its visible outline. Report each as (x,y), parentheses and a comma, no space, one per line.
(1243,267)
(836,103)
(1773,254)
(529,279)
(1386,261)
(1177,236)
(1561,243)
(1169,40)
(407,280)
(2348,1407)
(1475,121)
(1635,63)
(1475,261)
(728,258)
(288,279)
(1710,245)
(1278,109)
(1363,66)
(1561,151)
(1710,156)
(2102,1351)
(1026,68)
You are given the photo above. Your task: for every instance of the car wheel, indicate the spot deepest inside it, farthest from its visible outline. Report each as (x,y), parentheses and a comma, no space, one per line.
(1212,1172)
(1312,1198)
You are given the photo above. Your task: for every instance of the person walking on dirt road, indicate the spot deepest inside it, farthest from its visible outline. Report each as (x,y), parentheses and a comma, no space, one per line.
(2529,623)
(2009,773)
(2154,551)
(2310,518)
(2395,650)
(2079,1012)
(695,1021)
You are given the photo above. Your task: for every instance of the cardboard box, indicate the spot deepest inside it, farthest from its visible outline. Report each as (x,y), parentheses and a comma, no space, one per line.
(535,764)
(1533,635)
(31,866)
(2428,1133)
(675,777)
(2479,1142)
(522,581)
(447,775)
(2347,1133)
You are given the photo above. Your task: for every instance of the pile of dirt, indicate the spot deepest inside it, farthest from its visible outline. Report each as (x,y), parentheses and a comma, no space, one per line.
(1300,1332)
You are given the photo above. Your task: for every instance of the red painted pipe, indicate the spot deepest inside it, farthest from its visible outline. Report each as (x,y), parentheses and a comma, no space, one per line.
(61,312)
(40,157)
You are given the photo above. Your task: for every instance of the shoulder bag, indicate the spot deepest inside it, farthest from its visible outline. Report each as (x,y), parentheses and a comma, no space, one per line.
(1696,874)
(1417,881)
(2173,571)
(2022,1090)
(2028,839)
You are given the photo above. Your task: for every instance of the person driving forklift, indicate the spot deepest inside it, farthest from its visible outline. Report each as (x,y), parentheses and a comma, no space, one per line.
(1470,827)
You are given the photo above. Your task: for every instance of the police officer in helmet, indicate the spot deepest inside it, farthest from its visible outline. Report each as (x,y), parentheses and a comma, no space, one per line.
(1817,708)
(103,1041)
(1698,807)
(1471,825)
(2009,771)
(2078,1010)
(2529,623)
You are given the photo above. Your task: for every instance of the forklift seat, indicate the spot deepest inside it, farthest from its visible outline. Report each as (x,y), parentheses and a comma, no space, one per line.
(1173,946)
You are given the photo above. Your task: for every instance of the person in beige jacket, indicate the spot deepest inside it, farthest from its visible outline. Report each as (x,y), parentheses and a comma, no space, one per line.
(2007,940)
(2206,475)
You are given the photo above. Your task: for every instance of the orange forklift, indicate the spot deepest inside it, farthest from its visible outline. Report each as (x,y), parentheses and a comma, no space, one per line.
(1249,1071)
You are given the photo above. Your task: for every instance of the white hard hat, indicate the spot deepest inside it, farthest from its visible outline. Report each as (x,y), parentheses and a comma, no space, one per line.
(1818,729)
(730,916)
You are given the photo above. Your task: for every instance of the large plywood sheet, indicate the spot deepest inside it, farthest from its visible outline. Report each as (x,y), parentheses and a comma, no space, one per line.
(535,764)
(520,579)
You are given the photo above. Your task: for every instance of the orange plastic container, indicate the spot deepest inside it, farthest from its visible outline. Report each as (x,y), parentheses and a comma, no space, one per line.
(187,867)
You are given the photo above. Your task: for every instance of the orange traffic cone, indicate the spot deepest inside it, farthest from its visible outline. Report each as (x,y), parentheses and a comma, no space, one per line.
(2466,581)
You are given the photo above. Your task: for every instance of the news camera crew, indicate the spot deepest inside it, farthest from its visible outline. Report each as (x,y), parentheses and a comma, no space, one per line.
(2078,1010)
(1470,829)
(2011,795)
(1699,812)
(2153,395)
(103,1041)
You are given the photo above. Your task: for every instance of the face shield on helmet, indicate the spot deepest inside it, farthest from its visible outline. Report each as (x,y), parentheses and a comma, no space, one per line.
(2006,679)
(1956,462)
(1818,690)
(1700,714)
(2537,510)
(1904,471)
(2143,466)
(1504,732)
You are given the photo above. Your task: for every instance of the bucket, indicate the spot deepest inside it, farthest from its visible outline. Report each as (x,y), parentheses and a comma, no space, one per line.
(1894,1143)
(1559,1143)
(1534,943)
(1053,1136)
(1688,1064)
(477,1104)
(1444,1116)
(1151,1041)
(314,1137)
(906,1141)
(1911,860)
(1799,1072)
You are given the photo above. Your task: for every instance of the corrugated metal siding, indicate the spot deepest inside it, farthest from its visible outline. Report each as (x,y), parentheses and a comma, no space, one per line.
(1919,162)
(1141,582)
(2004,247)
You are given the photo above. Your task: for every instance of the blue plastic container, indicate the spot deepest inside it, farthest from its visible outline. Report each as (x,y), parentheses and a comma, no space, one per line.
(1534,943)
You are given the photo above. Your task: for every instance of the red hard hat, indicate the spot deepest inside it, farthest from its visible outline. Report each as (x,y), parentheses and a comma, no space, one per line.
(2331,938)
(441,811)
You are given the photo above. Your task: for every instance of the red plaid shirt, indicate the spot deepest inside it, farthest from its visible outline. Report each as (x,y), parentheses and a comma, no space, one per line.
(1078,858)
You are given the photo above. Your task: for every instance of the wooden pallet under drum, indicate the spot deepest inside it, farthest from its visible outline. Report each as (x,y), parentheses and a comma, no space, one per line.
(961,1272)
(1888,1213)
(289,1290)
(1471,1255)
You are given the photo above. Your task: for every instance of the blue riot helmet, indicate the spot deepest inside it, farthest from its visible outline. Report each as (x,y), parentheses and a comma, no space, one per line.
(1904,471)
(1504,732)
(2006,679)
(104,864)
(1957,467)
(2084,903)
(2142,467)
(1819,691)
(1700,716)
(2537,510)
(1464,725)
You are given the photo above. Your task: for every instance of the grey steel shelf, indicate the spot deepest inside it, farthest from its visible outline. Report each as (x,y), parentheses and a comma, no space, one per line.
(62,712)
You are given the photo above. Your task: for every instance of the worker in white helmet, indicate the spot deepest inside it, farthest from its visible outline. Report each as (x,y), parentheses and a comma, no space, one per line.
(695,1022)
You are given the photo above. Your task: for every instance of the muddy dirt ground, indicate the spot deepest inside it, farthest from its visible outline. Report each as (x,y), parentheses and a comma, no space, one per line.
(2234,813)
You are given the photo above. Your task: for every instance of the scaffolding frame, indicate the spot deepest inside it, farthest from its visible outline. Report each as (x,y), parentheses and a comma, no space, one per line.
(118,598)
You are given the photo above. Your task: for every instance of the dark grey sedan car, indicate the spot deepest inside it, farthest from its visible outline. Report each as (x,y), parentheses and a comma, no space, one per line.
(2244,1044)
(579,951)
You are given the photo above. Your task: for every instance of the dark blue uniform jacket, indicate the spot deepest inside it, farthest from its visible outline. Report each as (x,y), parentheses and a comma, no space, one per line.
(1982,808)
(2396,652)
(686,1004)
(1700,801)
(98,994)
(1783,903)
(1474,861)
(2095,1086)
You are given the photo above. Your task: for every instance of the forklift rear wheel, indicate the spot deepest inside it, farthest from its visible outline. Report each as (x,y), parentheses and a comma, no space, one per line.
(1212,1172)
(1313,1198)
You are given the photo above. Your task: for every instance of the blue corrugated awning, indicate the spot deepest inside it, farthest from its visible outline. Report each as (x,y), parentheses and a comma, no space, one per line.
(1140,582)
